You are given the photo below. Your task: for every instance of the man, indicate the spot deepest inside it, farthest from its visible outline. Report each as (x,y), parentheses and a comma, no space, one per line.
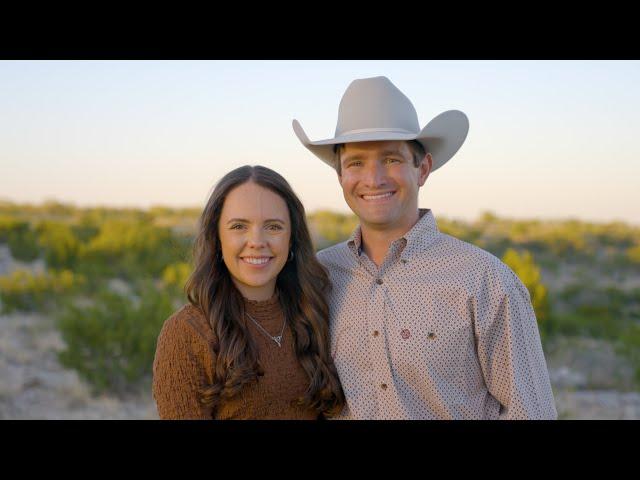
(423,325)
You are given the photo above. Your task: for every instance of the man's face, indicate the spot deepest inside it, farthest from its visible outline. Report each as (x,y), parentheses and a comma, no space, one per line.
(380,182)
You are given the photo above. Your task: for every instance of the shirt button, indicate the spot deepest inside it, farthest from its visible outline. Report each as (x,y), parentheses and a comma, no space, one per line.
(383,386)
(405,333)
(379,281)
(403,260)
(376,333)
(431,335)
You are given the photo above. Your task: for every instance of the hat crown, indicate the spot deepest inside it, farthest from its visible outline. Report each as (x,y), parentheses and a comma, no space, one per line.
(375,103)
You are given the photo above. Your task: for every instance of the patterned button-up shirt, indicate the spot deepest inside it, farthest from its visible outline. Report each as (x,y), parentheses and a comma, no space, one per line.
(440,330)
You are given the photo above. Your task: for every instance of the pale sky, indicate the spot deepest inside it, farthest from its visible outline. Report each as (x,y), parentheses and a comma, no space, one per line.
(547,139)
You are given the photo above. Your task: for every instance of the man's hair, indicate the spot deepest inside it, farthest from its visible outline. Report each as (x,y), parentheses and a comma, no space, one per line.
(416,148)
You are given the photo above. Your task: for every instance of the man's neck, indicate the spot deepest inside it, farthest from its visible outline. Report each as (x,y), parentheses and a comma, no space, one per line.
(376,241)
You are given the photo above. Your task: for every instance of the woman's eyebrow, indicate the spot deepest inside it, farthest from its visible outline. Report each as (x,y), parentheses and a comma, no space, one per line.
(242,220)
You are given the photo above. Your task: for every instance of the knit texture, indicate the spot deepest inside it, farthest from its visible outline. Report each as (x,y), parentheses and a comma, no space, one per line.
(184,362)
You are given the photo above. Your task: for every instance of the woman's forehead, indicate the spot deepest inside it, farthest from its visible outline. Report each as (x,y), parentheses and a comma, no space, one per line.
(254,203)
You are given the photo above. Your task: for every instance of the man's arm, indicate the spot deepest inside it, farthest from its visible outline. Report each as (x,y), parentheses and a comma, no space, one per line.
(510,351)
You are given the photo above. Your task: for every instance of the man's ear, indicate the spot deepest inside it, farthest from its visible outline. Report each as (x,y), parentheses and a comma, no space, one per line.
(425,169)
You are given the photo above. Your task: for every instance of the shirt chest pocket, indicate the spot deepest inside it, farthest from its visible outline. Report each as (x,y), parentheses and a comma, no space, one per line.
(437,348)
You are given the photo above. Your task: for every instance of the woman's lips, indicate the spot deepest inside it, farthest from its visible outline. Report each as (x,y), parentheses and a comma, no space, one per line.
(256,262)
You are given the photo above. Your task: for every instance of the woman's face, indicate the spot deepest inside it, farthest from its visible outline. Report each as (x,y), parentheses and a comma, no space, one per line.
(255,233)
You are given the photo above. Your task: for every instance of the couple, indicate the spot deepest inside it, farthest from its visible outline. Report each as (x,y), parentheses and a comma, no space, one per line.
(409,323)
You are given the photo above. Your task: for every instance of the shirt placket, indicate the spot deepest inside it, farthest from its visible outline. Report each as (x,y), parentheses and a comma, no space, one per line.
(378,330)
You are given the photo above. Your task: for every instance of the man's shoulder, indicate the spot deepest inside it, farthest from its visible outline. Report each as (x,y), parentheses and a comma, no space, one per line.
(475,257)
(334,255)
(461,248)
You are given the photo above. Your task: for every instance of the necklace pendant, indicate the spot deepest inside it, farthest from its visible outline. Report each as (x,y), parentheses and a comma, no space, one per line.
(278,339)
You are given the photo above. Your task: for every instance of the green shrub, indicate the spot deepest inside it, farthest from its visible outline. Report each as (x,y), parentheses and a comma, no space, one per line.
(525,268)
(111,343)
(28,291)
(23,245)
(10,224)
(633,254)
(131,249)
(630,347)
(332,227)
(59,244)
(175,277)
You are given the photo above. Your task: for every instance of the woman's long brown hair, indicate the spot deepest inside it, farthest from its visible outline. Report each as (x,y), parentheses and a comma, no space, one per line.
(302,285)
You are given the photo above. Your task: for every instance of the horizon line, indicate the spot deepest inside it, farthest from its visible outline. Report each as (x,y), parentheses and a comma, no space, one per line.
(85,206)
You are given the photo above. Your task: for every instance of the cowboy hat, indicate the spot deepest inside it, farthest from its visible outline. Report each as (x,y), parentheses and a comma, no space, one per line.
(374,109)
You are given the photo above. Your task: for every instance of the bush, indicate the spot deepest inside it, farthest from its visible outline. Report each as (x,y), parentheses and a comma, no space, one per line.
(525,268)
(8,225)
(111,343)
(175,277)
(131,249)
(58,243)
(633,254)
(630,347)
(332,227)
(27,291)
(23,245)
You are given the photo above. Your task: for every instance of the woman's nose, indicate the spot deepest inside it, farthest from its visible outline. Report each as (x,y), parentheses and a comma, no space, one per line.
(256,238)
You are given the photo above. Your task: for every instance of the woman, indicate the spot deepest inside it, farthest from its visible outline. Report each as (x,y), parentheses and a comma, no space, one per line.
(253,341)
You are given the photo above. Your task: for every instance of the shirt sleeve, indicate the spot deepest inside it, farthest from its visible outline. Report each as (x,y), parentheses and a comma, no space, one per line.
(510,351)
(179,372)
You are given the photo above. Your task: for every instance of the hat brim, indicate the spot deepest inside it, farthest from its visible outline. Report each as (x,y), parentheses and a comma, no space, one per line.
(442,137)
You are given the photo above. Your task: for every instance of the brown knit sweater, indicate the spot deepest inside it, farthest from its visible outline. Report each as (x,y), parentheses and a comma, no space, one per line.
(184,361)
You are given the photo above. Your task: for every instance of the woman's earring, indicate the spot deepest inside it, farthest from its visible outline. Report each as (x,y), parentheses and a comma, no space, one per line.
(291,255)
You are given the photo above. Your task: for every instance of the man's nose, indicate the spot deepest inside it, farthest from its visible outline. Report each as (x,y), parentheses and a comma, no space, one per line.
(374,175)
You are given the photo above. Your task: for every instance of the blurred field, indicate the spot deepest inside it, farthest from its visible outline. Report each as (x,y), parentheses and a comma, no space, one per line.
(84,292)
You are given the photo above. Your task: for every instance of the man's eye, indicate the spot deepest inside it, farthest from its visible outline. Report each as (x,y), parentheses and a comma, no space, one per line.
(354,164)
(393,160)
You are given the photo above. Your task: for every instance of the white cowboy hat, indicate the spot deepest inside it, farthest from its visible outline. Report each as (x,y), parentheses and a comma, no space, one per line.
(374,109)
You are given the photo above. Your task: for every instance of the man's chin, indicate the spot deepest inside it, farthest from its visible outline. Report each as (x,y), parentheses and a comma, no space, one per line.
(376,221)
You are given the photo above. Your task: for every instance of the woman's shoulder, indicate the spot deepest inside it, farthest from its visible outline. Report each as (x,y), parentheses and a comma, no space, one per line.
(187,321)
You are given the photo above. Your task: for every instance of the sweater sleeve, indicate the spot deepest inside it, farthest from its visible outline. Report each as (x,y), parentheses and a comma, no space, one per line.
(179,371)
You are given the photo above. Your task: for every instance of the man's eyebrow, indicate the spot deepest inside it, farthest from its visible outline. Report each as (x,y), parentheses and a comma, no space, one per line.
(391,152)
(353,156)
(358,156)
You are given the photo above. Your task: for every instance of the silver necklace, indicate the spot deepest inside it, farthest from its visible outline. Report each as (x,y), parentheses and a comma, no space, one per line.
(277,338)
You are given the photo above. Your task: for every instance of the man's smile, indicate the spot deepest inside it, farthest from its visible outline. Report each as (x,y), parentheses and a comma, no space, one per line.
(377,197)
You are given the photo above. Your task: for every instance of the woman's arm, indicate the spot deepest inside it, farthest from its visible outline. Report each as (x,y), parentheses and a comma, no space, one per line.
(179,371)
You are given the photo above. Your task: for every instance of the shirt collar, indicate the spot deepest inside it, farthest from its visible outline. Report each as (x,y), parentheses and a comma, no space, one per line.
(417,239)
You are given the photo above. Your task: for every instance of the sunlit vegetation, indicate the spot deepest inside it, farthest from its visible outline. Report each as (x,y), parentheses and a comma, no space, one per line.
(110,331)
(525,268)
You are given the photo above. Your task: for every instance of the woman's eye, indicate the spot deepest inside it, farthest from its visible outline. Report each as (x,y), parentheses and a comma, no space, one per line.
(274,227)
(237,226)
